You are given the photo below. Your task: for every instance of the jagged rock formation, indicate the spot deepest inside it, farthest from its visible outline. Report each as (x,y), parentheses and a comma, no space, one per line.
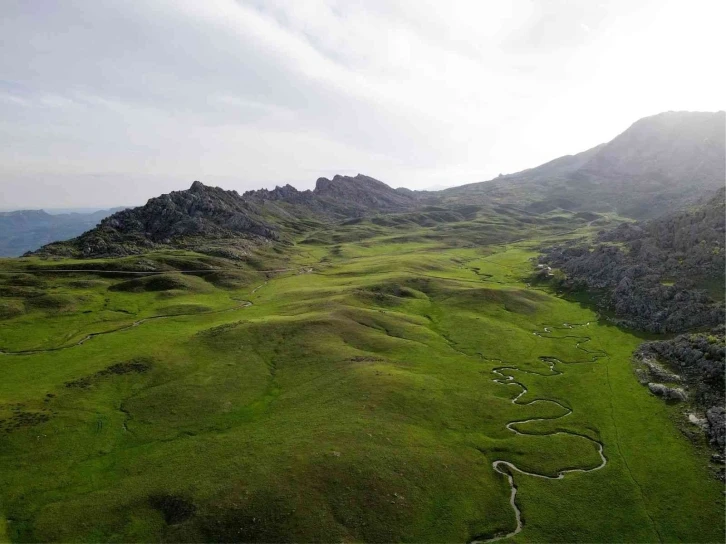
(659,276)
(177,218)
(343,197)
(201,215)
(657,165)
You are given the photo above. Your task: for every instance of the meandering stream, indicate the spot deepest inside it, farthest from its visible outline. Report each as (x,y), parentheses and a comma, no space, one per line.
(507,468)
(501,466)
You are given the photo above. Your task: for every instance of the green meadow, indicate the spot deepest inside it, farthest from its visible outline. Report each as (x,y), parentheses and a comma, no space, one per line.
(355,385)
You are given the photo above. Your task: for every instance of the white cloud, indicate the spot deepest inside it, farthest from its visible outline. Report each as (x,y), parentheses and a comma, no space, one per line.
(259,92)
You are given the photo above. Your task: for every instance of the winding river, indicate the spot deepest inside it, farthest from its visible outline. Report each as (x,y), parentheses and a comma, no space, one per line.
(507,468)
(501,466)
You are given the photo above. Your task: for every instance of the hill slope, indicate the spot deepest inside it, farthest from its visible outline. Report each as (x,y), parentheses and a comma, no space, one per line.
(374,388)
(657,165)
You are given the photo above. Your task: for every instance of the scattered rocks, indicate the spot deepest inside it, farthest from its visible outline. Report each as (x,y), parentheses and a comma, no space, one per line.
(364,359)
(127,367)
(80,383)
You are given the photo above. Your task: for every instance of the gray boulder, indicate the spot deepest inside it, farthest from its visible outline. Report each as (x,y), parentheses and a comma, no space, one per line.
(668,393)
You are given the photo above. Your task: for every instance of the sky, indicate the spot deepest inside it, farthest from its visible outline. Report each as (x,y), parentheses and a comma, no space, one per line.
(106,103)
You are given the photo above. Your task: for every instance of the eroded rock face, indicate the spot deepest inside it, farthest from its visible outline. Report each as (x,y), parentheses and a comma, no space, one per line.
(716,417)
(660,373)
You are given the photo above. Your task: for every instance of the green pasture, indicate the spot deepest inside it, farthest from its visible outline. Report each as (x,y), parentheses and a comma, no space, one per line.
(348,397)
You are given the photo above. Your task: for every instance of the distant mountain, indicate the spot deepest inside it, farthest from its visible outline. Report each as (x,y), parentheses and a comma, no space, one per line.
(343,197)
(201,216)
(659,164)
(27,230)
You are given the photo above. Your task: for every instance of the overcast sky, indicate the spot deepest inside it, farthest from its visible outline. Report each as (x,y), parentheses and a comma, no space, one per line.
(104,102)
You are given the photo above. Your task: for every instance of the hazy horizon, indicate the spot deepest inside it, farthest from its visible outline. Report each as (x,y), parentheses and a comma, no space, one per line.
(108,105)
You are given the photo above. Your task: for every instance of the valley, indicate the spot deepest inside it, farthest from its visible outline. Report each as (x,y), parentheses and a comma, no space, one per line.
(393,272)
(383,379)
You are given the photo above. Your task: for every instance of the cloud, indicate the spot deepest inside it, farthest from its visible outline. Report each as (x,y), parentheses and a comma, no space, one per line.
(255,92)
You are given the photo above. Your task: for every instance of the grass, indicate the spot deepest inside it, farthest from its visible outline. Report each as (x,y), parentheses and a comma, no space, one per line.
(352,402)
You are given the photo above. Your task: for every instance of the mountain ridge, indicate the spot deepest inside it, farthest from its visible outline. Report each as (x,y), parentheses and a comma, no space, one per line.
(186,218)
(659,164)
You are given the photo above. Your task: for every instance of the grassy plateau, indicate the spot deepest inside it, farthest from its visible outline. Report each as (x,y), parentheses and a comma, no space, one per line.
(394,379)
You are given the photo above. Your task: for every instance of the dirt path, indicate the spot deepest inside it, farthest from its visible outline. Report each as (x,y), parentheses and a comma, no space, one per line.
(508,469)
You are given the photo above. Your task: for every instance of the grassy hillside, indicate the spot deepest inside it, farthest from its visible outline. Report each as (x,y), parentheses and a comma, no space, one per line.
(378,381)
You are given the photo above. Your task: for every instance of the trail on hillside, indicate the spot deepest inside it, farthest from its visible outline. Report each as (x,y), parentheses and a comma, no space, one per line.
(136,323)
(507,468)
(244,304)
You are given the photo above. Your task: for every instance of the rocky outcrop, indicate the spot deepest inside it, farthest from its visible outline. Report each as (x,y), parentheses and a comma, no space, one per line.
(698,360)
(698,363)
(668,393)
(654,276)
(342,197)
(362,194)
(175,219)
(201,215)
